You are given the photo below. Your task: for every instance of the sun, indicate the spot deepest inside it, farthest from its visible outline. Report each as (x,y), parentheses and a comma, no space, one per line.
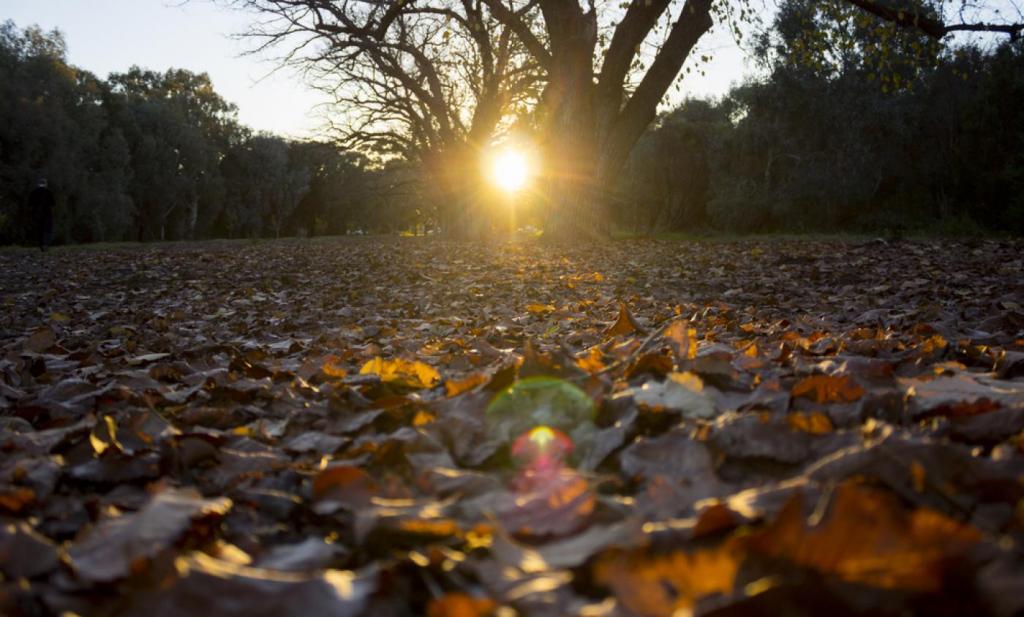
(510,170)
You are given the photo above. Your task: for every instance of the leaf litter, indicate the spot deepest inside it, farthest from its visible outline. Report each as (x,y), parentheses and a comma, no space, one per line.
(410,427)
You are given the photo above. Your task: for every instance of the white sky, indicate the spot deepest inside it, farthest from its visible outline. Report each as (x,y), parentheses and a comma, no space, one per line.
(107,36)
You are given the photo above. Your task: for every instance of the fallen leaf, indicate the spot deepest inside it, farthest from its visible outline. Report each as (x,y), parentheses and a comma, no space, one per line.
(41,340)
(624,325)
(460,605)
(828,389)
(405,373)
(662,585)
(540,309)
(118,545)
(868,537)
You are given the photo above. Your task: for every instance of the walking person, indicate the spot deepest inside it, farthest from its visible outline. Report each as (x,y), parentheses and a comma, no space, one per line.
(41,202)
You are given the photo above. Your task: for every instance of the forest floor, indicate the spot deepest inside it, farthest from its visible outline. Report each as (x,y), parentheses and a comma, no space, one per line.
(405,426)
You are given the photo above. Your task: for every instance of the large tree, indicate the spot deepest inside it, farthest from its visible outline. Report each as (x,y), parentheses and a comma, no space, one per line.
(605,67)
(430,82)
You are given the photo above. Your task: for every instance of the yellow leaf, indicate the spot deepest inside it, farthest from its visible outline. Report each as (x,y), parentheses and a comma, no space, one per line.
(423,418)
(399,372)
(104,436)
(688,379)
(540,309)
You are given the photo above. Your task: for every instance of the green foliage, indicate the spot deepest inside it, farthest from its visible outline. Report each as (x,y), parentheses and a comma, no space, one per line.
(146,155)
(840,144)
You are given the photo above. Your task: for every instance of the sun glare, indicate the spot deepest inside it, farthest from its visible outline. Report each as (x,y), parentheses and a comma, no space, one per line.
(510,170)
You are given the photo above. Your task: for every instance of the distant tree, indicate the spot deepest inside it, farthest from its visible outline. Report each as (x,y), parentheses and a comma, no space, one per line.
(177,128)
(339,194)
(430,82)
(670,171)
(39,137)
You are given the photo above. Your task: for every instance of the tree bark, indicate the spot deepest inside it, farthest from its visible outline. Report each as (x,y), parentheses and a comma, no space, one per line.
(588,129)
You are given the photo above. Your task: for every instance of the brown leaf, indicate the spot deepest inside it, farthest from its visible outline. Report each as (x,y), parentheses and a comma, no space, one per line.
(624,324)
(828,389)
(344,483)
(25,553)
(13,499)
(41,340)
(117,546)
(682,339)
(205,585)
(867,537)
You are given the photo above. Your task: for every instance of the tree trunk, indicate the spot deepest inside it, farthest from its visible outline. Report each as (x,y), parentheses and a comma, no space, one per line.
(589,127)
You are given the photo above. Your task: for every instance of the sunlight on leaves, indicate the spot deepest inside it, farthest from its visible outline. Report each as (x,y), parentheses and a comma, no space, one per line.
(815,423)
(867,537)
(625,323)
(657,585)
(404,373)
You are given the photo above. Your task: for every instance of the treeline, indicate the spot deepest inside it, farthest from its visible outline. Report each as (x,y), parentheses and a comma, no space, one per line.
(868,135)
(145,155)
(899,143)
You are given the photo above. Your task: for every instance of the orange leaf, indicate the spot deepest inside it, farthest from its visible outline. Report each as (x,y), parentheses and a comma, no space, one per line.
(654,585)
(868,537)
(441,527)
(15,499)
(815,423)
(455,387)
(592,361)
(460,605)
(682,339)
(829,389)
(332,367)
(423,418)
(625,324)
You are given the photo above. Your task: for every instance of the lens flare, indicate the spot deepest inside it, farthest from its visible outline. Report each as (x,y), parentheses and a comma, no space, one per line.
(542,447)
(510,170)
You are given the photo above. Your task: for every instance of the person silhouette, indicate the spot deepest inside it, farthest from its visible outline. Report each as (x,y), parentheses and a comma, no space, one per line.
(41,202)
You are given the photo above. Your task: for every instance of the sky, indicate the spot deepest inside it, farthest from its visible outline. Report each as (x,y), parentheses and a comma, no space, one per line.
(106,36)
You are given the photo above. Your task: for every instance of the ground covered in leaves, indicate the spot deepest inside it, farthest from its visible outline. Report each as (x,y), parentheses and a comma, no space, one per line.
(412,427)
